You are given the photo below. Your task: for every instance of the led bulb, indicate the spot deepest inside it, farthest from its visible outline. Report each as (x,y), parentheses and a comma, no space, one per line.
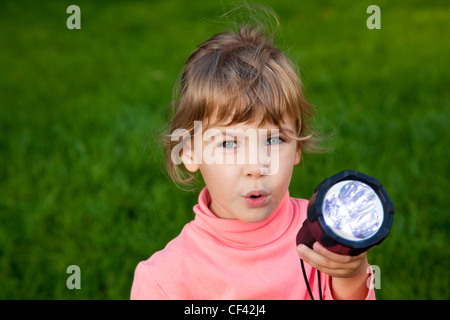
(353,210)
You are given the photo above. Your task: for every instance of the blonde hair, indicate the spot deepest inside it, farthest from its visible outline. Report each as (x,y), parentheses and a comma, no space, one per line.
(238,77)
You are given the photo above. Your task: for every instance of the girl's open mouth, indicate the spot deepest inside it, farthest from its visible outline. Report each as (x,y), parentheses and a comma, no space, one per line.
(256,198)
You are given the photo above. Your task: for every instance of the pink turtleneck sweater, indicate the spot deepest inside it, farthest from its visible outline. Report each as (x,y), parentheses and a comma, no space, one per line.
(215,258)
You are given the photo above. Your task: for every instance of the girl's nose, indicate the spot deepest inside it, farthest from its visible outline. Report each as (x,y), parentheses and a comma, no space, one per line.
(256,167)
(254,170)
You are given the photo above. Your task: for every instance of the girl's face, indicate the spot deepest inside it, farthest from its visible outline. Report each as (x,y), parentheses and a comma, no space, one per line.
(247,168)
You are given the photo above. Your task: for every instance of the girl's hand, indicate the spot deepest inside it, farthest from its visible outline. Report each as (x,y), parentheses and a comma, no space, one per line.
(349,273)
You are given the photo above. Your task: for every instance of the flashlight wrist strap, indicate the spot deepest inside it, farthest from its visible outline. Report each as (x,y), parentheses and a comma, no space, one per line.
(308,287)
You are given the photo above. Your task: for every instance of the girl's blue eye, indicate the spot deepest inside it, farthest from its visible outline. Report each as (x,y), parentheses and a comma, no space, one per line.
(229,144)
(274,141)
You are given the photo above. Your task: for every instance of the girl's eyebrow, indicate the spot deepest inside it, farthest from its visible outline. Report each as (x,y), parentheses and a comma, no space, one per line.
(287,130)
(232,132)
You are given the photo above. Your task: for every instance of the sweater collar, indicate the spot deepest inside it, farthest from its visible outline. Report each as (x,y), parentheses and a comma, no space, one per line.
(238,233)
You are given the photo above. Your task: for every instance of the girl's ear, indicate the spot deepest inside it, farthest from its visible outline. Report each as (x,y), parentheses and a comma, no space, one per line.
(298,156)
(187,156)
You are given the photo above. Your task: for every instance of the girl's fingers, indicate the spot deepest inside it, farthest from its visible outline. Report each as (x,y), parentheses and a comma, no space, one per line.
(335,265)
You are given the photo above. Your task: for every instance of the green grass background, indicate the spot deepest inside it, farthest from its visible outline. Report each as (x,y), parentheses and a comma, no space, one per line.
(82,178)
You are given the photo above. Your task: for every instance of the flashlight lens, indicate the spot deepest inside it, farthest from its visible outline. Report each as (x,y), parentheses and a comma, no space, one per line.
(353,210)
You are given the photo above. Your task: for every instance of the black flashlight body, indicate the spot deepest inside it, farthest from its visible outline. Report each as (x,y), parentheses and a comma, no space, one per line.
(315,229)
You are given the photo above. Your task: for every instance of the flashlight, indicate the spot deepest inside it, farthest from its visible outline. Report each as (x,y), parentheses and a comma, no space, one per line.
(348,214)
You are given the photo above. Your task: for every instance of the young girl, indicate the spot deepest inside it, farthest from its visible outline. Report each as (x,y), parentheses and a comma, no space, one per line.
(241,120)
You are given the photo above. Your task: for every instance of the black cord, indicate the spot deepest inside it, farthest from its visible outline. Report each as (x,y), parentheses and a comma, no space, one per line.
(320,286)
(307,282)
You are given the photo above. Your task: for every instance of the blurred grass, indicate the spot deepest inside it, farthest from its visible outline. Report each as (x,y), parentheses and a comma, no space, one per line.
(82,177)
